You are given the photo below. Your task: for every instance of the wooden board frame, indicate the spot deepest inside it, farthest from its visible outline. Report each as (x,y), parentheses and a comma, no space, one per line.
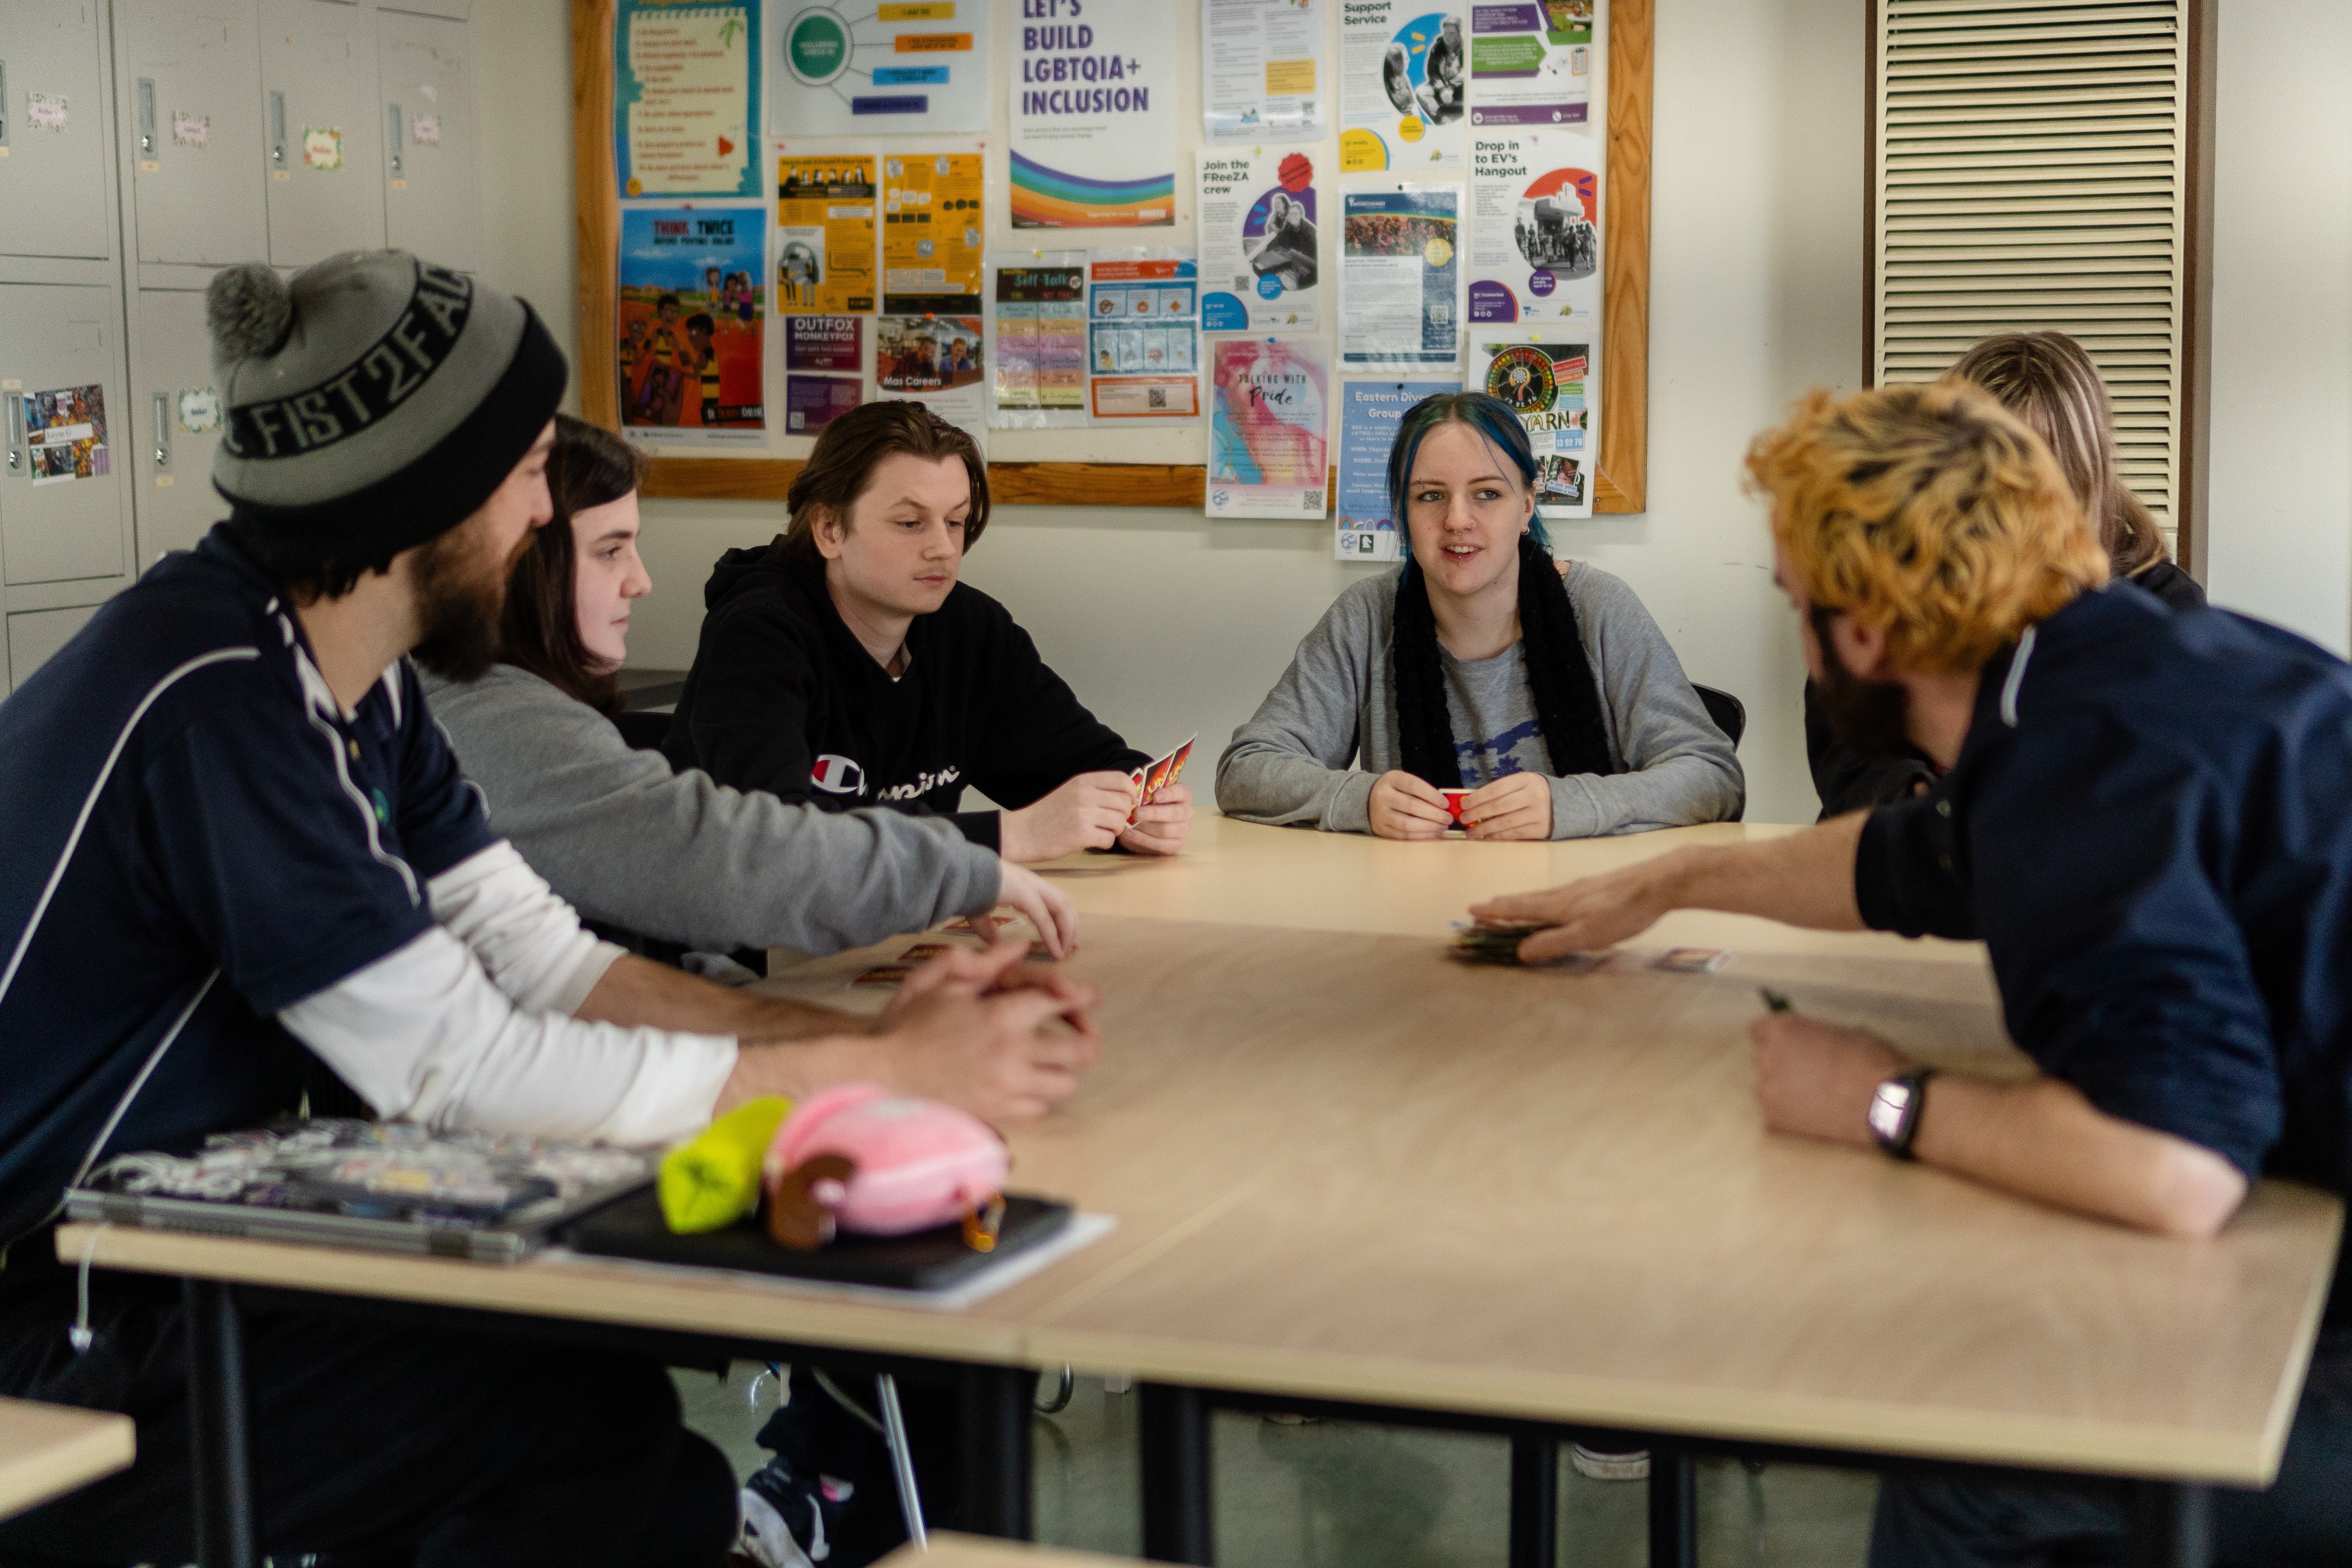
(1620,484)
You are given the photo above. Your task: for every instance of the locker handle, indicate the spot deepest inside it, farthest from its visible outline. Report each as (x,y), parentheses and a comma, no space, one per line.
(4,103)
(162,433)
(392,111)
(12,410)
(147,117)
(278,128)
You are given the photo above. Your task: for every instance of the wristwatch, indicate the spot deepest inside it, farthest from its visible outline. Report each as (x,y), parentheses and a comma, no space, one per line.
(1895,1110)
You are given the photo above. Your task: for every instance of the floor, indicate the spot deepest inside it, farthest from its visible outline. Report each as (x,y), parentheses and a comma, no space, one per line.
(1334,1493)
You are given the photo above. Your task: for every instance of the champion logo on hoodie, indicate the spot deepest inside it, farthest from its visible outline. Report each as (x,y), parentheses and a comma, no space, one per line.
(837,774)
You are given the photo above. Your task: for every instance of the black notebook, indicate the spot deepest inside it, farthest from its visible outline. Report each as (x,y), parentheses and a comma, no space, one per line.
(927,1260)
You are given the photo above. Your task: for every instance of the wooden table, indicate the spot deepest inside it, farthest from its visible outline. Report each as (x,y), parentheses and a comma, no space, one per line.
(47,1450)
(1351,1174)
(951,1550)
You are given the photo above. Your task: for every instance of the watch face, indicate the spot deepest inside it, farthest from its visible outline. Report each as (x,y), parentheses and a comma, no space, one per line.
(1887,1109)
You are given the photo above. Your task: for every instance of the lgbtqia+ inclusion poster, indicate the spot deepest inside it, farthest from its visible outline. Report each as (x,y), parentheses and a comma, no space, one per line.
(1093,118)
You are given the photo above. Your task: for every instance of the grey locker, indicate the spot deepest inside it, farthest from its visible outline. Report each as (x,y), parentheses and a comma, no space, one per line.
(35,635)
(324,143)
(60,486)
(432,203)
(197,178)
(176,413)
(53,175)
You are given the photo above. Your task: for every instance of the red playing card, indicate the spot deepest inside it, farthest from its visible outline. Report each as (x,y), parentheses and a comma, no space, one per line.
(883,977)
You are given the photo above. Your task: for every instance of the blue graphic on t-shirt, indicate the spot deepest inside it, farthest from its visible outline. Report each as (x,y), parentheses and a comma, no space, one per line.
(1491,759)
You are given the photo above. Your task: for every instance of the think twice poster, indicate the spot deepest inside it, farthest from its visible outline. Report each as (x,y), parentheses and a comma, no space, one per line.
(1259,269)
(1268,454)
(691,322)
(1552,385)
(1094,117)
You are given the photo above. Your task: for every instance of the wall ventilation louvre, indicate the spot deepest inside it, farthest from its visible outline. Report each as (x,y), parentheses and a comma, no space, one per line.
(2032,170)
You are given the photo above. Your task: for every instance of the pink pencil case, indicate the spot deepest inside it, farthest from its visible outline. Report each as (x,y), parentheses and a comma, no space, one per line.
(857,1158)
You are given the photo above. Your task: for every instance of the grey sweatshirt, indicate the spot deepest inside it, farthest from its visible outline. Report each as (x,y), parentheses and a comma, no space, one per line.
(626,841)
(1335,706)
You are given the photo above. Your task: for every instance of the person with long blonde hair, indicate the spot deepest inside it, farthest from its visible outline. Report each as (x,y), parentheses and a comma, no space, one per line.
(2048,381)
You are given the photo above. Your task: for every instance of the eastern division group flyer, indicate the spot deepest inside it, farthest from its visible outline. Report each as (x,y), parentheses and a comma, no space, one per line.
(690,321)
(1535,211)
(825,234)
(1268,454)
(1258,267)
(1545,384)
(1364,526)
(1143,329)
(1402,72)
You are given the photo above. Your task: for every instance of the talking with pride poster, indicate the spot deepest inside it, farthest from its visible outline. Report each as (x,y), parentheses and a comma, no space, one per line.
(1268,449)
(1093,116)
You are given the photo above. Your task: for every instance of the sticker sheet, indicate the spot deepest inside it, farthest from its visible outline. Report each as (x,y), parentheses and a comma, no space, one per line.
(824,233)
(1535,227)
(1530,62)
(1400,277)
(1094,115)
(920,65)
(691,322)
(1259,266)
(1143,336)
(1363,528)
(1039,316)
(1553,383)
(686,94)
(931,232)
(1262,70)
(1403,70)
(1268,454)
(65,435)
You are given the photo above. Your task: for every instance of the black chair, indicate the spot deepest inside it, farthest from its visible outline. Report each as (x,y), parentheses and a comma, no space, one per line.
(1730,715)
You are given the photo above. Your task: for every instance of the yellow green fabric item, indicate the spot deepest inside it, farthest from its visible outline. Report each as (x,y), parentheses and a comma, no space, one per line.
(712,1180)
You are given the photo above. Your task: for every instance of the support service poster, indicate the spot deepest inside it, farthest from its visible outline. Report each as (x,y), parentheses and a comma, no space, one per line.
(690,321)
(1268,450)
(1403,71)
(1094,115)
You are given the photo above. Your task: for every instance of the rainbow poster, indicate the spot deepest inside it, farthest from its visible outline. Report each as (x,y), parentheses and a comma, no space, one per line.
(1094,119)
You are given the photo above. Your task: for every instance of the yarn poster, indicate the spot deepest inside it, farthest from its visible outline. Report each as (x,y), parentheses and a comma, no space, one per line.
(1093,116)
(1552,387)
(1268,451)
(691,323)
(1259,269)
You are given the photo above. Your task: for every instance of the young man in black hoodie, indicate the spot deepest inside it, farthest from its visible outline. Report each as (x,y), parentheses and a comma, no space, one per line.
(843,665)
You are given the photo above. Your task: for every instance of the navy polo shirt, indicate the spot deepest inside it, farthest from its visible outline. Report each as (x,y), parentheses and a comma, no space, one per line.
(2148,826)
(192,838)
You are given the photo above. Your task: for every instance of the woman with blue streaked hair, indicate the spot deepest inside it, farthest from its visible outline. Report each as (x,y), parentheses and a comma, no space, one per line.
(1544,690)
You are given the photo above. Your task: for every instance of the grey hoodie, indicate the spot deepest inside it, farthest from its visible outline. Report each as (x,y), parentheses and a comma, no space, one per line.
(673,855)
(1336,705)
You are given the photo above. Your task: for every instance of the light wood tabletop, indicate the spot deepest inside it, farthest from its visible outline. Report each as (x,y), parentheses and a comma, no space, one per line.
(47,1450)
(1244,873)
(951,1550)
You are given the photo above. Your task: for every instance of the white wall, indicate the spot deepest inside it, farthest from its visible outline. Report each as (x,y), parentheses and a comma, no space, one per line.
(2280,503)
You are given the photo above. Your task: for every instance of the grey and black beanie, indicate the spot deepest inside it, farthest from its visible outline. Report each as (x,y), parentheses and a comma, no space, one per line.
(376,400)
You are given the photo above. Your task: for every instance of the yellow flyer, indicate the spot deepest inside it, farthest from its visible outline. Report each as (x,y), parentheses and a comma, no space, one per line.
(825,235)
(931,232)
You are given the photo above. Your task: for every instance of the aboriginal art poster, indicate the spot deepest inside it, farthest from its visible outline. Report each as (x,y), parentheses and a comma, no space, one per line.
(685,99)
(1403,68)
(1259,265)
(848,67)
(1093,116)
(1268,453)
(1535,227)
(692,323)
(1553,386)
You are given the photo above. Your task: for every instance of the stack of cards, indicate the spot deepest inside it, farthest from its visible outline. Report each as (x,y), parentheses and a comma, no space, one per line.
(1147,781)
(1498,942)
(1691,960)
(891,975)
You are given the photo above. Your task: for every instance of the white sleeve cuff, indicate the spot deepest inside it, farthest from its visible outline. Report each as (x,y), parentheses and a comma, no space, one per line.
(529,939)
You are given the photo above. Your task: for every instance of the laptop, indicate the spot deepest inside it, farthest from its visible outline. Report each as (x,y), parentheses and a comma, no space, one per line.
(386,1185)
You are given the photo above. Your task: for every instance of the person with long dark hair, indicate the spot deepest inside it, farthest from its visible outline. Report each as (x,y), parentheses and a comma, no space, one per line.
(675,858)
(1548,691)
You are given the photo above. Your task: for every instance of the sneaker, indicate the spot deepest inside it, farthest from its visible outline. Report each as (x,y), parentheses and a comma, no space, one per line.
(1594,1465)
(789,1520)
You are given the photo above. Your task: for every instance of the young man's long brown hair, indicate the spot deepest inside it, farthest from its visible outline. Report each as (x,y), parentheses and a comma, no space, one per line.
(541,629)
(852,446)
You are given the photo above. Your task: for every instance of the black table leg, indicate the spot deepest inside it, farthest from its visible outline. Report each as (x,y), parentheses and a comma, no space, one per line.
(226,1534)
(994,1417)
(1534,1502)
(1177,1521)
(1674,1508)
(2171,1525)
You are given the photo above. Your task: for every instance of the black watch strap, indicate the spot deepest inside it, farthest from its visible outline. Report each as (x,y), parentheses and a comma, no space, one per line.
(1895,1110)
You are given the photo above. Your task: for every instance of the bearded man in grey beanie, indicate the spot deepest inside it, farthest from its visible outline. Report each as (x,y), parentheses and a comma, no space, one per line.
(234,847)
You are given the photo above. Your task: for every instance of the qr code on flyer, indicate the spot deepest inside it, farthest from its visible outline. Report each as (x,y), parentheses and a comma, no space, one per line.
(1311,501)
(1155,398)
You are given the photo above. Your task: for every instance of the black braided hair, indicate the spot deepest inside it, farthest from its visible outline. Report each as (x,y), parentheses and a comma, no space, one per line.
(1568,710)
